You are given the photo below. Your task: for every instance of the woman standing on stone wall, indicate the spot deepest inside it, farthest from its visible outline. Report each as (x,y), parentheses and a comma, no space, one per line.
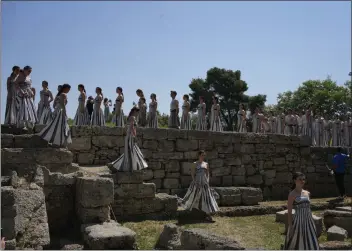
(215,122)
(107,104)
(132,159)
(199,195)
(119,115)
(153,115)
(186,122)
(201,124)
(57,132)
(241,119)
(98,118)
(174,120)
(301,233)
(11,101)
(26,115)
(82,115)
(44,110)
(142,116)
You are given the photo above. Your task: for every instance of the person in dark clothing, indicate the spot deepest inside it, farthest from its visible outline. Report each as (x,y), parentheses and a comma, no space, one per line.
(339,167)
(89,105)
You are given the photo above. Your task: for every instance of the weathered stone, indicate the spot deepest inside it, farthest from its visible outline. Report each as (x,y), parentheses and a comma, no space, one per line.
(168,155)
(186,168)
(183,145)
(109,235)
(226,181)
(169,238)
(108,141)
(144,190)
(150,144)
(251,196)
(229,196)
(29,141)
(85,158)
(7,140)
(93,215)
(170,183)
(283,178)
(233,161)
(221,171)
(172,166)
(255,180)
(342,219)
(129,177)
(94,191)
(195,239)
(335,245)
(148,174)
(159,174)
(238,180)
(238,170)
(166,146)
(81,144)
(335,233)
(347,209)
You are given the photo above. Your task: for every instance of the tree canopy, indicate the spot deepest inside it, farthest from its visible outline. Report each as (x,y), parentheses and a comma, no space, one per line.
(229,87)
(326,97)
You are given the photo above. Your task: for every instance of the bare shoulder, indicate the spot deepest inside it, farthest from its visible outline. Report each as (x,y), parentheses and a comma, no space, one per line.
(292,194)
(306,193)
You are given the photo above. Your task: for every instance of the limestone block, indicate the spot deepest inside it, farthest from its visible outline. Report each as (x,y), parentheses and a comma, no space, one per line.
(29,141)
(94,191)
(154,134)
(53,156)
(108,141)
(336,233)
(109,235)
(168,155)
(251,196)
(169,238)
(335,245)
(159,174)
(238,180)
(93,215)
(172,175)
(220,171)
(172,166)
(342,219)
(226,181)
(166,146)
(186,181)
(81,144)
(157,182)
(195,239)
(229,196)
(255,180)
(177,134)
(247,149)
(107,131)
(279,161)
(283,178)
(144,190)
(7,141)
(206,144)
(85,158)
(81,131)
(187,167)
(129,177)
(347,209)
(238,170)
(148,174)
(171,183)
(236,161)
(150,144)
(184,145)
(154,165)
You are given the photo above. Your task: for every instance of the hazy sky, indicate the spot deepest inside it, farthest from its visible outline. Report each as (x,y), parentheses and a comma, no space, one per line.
(159,46)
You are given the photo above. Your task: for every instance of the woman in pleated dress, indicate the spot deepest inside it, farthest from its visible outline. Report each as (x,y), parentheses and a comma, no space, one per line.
(174,120)
(132,159)
(107,104)
(199,195)
(119,117)
(201,124)
(152,114)
(26,115)
(98,113)
(82,116)
(215,121)
(186,122)
(241,119)
(11,101)
(301,231)
(142,114)
(57,132)
(44,112)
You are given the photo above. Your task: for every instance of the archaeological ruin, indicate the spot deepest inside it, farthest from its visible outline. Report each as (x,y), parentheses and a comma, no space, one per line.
(47,195)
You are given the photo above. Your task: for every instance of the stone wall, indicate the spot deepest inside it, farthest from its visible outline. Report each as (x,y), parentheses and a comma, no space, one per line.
(236,159)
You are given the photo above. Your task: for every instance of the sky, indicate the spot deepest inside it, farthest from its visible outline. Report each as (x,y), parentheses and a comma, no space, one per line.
(161,46)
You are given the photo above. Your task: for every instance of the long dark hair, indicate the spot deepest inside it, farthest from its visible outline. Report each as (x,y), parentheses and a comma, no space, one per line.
(14,69)
(101,91)
(295,176)
(64,86)
(153,95)
(120,89)
(82,86)
(134,109)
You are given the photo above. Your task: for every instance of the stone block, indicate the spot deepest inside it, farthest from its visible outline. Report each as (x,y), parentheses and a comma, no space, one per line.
(169,238)
(335,245)
(171,183)
(177,134)
(85,158)
(186,181)
(283,178)
(81,144)
(93,215)
(144,190)
(166,146)
(340,219)
(238,180)
(237,161)
(336,233)
(150,144)
(81,131)
(168,155)
(159,174)
(108,141)
(109,235)
(220,171)
(154,134)
(184,145)
(129,177)
(238,170)
(94,191)
(251,196)
(7,140)
(148,174)
(229,196)
(227,181)
(255,180)
(29,141)
(107,131)
(186,167)
(172,166)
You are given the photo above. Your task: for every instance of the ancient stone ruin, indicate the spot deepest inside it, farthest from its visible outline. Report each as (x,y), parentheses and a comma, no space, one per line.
(49,201)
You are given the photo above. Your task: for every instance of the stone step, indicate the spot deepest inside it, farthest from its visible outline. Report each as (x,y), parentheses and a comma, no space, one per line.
(55,159)
(23,141)
(108,235)
(18,131)
(235,196)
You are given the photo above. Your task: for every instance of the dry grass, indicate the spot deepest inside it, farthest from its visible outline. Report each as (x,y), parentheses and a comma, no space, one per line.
(313,201)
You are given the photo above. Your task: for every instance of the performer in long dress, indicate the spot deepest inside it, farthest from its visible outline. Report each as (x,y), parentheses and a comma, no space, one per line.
(26,115)
(215,121)
(301,233)
(318,131)
(82,115)
(90,107)
(152,114)
(265,125)
(281,123)
(98,113)
(199,196)
(186,122)
(107,104)
(119,116)
(272,122)
(142,116)
(11,101)
(201,124)
(174,120)
(289,123)
(132,159)
(241,119)
(256,121)
(300,123)
(57,132)
(46,97)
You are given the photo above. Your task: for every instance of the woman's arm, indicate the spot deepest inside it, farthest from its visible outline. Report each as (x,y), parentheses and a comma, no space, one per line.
(51,98)
(208,173)
(290,200)
(177,107)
